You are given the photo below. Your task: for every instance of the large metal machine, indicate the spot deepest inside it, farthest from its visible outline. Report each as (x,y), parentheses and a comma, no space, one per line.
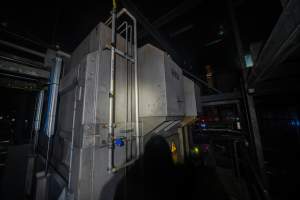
(103,104)
(100,107)
(95,117)
(100,129)
(161,92)
(105,101)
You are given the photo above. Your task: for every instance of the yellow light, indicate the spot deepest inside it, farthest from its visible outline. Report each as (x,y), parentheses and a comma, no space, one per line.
(197,150)
(173,147)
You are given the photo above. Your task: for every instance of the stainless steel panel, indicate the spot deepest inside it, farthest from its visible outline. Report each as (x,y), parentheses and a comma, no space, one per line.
(152,91)
(65,114)
(189,97)
(161,88)
(174,88)
(198,99)
(87,79)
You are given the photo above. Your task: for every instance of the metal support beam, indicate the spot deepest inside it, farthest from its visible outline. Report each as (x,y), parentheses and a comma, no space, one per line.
(179,10)
(31,51)
(202,82)
(23,70)
(16,82)
(27,50)
(284,3)
(20,60)
(221,97)
(283,41)
(248,99)
(181,30)
(281,87)
(218,103)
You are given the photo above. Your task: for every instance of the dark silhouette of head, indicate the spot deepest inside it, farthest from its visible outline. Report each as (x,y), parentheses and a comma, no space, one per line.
(158,169)
(157,155)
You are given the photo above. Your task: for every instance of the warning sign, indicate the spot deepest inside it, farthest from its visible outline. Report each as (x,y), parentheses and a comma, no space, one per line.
(174,152)
(173,147)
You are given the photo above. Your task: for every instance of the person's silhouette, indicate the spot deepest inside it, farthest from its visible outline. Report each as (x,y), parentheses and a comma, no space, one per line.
(151,177)
(154,176)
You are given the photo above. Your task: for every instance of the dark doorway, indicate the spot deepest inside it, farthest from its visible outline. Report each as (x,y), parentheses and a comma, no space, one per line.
(16,118)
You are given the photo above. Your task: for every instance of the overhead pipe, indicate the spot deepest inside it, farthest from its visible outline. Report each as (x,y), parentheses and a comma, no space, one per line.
(19,77)
(33,52)
(27,50)
(16,59)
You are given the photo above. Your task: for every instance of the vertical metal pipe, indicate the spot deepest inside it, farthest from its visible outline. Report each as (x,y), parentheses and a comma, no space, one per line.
(52,96)
(38,116)
(112,95)
(126,113)
(39,107)
(236,159)
(131,87)
(136,91)
(52,102)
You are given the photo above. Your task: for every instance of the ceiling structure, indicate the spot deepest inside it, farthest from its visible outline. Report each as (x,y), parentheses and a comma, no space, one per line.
(198,30)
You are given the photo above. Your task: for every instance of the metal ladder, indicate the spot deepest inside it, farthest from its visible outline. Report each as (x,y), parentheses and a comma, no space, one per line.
(131,57)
